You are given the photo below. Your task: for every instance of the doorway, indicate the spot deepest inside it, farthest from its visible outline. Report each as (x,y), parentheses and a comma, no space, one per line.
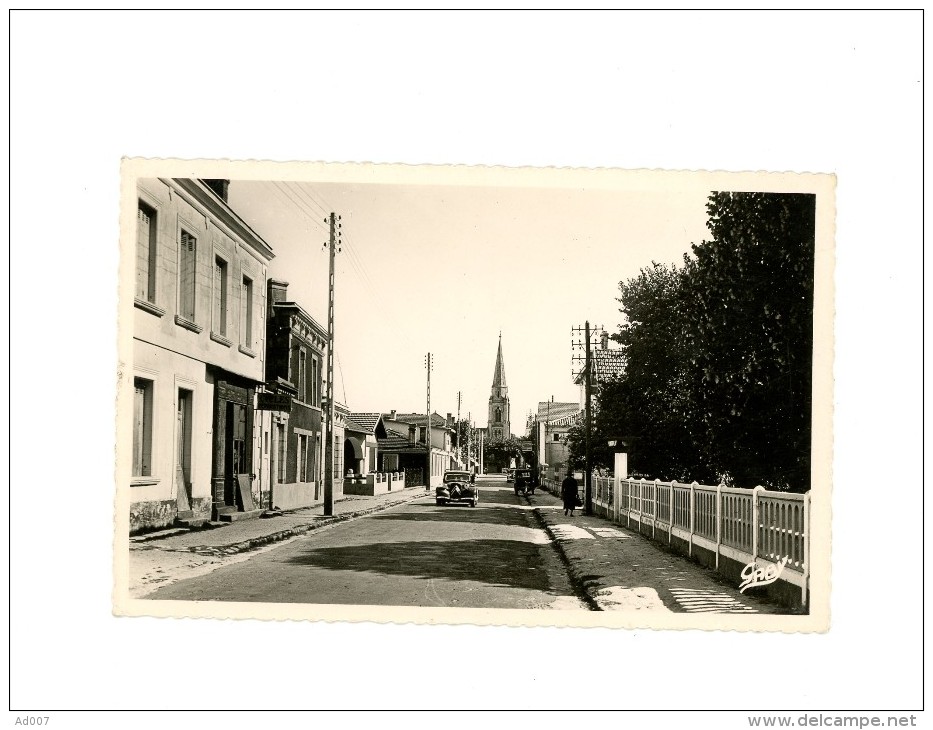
(183,451)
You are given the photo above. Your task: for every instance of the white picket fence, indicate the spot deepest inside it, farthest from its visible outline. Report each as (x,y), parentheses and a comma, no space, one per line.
(745,525)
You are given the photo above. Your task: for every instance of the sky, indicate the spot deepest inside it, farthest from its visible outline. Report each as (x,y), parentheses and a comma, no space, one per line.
(445,268)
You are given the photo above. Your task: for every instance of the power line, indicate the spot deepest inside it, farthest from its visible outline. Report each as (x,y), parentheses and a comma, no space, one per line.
(290,203)
(304,195)
(310,214)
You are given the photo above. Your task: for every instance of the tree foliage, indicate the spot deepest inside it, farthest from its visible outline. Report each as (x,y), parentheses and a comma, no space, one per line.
(718,353)
(498,454)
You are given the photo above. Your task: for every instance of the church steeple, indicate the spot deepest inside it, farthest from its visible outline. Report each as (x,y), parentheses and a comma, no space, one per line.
(498,376)
(499,427)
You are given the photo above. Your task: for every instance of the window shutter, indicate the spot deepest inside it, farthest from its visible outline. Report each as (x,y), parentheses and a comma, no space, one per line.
(143,240)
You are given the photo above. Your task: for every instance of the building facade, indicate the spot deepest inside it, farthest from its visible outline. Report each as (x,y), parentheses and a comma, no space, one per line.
(291,417)
(553,422)
(499,427)
(405,448)
(198,354)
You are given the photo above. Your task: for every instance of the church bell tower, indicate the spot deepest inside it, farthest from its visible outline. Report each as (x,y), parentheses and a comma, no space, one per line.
(499,428)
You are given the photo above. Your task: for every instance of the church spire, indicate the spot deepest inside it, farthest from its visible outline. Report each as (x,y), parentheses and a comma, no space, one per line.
(499,425)
(498,377)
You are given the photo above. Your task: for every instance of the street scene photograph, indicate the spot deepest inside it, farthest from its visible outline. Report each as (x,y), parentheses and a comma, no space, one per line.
(552,396)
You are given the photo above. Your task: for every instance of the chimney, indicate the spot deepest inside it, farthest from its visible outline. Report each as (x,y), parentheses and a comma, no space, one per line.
(278,291)
(218,186)
(449,422)
(604,337)
(392,415)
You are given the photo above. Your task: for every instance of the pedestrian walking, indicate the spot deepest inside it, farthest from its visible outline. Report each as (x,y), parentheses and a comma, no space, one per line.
(568,491)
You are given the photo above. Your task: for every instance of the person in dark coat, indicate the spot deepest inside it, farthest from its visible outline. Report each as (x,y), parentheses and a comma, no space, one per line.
(568,491)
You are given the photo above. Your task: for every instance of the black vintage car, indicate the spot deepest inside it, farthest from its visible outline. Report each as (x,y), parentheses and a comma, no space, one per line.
(458,488)
(523,482)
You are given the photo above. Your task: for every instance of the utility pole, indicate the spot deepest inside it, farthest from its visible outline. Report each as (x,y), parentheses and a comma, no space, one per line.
(459,450)
(469,440)
(588,491)
(427,432)
(588,394)
(334,245)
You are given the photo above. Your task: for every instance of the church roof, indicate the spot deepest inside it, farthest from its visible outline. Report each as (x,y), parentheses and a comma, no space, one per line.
(498,377)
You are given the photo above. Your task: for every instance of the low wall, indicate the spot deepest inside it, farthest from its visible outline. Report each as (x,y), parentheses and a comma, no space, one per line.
(292,496)
(156,514)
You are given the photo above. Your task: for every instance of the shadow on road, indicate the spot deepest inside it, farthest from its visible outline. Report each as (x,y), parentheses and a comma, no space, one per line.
(466,515)
(496,562)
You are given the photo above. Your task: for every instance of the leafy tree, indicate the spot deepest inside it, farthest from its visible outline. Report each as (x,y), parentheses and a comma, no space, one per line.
(718,353)
(650,406)
(748,330)
(498,454)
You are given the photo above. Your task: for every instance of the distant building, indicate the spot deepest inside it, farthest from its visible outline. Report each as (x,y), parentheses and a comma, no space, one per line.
(405,445)
(198,354)
(499,427)
(553,421)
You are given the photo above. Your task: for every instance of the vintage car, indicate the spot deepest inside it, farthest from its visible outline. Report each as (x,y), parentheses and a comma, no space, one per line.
(458,488)
(525,485)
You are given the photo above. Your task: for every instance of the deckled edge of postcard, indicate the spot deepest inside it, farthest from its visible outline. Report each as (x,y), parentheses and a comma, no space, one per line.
(820,184)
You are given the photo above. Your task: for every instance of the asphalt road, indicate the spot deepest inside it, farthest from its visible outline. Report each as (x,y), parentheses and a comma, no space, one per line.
(494,555)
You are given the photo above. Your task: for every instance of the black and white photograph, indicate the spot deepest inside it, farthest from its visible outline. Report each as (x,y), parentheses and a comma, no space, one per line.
(430,361)
(483,395)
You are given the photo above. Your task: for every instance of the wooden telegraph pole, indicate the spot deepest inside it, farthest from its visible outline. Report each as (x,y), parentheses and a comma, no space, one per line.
(587,374)
(427,432)
(588,476)
(331,410)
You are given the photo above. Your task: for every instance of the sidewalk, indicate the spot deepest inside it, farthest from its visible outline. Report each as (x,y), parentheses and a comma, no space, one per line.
(616,569)
(165,557)
(244,535)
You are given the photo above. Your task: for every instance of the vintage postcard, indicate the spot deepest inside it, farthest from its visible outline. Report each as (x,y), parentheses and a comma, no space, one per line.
(497,396)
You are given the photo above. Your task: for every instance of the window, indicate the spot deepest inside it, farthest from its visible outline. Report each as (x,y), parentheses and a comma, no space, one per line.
(219,317)
(305,458)
(338,460)
(314,382)
(302,375)
(145,253)
(246,313)
(187,256)
(142,428)
(280,453)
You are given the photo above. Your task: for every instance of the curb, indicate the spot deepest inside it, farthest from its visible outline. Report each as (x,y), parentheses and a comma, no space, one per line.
(579,586)
(257,542)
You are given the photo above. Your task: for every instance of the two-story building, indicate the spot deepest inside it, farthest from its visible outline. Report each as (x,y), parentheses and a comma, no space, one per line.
(290,408)
(198,353)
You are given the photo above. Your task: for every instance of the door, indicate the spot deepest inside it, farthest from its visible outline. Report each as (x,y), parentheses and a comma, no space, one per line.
(183,451)
(235,451)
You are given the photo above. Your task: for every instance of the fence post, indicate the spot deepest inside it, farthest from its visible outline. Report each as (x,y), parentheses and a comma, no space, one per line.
(693,494)
(673,511)
(755,520)
(718,522)
(806,547)
(657,502)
